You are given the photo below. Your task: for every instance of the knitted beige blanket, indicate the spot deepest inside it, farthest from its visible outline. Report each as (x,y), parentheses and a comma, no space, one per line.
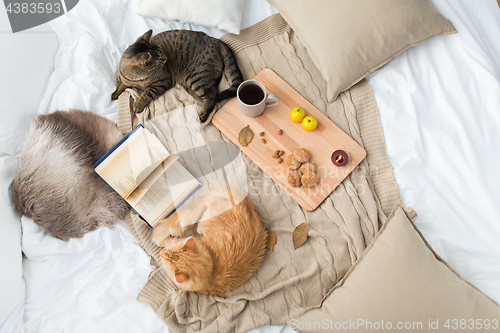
(290,282)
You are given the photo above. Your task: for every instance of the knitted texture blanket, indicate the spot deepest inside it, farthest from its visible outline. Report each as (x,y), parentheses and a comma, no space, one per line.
(290,282)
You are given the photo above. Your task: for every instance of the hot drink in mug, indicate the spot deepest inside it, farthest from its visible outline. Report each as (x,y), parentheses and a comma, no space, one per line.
(252,98)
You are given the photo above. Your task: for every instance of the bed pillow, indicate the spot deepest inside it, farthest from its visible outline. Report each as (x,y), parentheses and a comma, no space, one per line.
(11,276)
(347,40)
(400,279)
(221,14)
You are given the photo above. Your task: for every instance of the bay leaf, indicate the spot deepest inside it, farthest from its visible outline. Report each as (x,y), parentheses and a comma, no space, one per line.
(245,136)
(299,235)
(271,240)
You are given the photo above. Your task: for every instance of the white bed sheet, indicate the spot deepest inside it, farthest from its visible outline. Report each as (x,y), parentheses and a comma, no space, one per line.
(440,109)
(439,104)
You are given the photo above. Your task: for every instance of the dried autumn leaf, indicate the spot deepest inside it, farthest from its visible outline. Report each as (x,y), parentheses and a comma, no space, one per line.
(245,136)
(271,240)
(299,235)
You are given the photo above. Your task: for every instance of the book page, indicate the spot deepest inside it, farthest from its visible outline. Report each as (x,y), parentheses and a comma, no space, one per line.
(169,190)
(131,163)
(150,181)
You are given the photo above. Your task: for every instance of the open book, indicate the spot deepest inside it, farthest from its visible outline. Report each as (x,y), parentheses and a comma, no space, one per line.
(146,175)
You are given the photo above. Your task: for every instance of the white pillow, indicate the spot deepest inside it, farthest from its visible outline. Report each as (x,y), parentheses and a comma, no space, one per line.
(11,259)
(221,14)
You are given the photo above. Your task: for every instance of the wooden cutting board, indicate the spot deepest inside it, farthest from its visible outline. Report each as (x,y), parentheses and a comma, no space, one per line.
(321,142)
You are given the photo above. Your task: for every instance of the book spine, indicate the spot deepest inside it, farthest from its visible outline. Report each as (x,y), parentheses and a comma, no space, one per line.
(183,201)
(117,145)
(142,218)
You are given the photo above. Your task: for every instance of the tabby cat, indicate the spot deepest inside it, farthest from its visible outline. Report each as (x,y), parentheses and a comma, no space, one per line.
(230,245)
(56,184)
(191,59)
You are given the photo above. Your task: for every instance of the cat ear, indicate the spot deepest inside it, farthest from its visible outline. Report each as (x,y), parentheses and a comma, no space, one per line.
(144,58)
(147,36)
(190,243)
(180,277)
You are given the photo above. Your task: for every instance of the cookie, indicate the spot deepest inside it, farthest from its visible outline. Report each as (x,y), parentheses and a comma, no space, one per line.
(291,163)
(309,179)
(309,166)
(294,178)
(301,155)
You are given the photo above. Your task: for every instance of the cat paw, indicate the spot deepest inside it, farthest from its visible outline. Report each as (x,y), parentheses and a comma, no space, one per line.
(162,239)
(138,107)
(203,117)
(114,96)
(156,240)
(165,243)
(162,232)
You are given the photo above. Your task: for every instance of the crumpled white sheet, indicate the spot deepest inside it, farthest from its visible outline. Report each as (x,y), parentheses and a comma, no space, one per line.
(87,284)
(439,104)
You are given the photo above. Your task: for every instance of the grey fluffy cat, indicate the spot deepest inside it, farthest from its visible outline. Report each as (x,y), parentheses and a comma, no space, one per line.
(56,184)
(191,59)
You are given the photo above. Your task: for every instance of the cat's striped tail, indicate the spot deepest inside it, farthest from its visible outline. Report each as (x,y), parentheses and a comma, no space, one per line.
(231,70)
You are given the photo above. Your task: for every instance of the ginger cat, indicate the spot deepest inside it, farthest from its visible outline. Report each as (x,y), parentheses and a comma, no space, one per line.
(228,247)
